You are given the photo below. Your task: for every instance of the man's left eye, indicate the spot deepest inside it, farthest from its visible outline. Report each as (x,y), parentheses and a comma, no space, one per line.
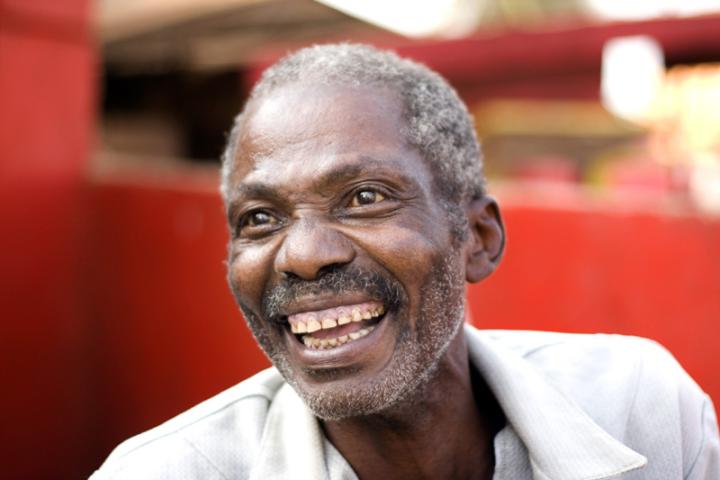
(366,197)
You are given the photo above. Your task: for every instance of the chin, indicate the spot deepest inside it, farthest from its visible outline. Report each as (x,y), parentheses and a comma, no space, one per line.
(401,382)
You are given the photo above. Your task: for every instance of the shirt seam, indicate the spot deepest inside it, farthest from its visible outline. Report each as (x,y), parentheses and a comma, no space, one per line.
(702,440)
(204,457)
(636,392)
(542,347)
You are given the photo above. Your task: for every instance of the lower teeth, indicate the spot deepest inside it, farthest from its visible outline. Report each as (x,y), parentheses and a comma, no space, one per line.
(324,344)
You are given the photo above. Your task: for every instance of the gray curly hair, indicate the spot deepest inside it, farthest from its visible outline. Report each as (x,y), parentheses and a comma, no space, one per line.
(437,121)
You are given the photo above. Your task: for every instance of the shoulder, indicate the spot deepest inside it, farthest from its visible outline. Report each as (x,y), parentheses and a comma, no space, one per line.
(568,360)
(604,369)
(221,434)
(632,387)
(602,359)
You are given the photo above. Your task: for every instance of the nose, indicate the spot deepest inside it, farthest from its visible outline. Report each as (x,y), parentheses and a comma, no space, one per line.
(311,247)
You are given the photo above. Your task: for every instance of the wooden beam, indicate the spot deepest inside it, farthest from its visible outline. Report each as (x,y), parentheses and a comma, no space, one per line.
(121,19)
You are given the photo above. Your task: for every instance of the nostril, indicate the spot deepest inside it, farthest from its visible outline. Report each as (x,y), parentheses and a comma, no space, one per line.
(321,272)
(290,275)
(329,269)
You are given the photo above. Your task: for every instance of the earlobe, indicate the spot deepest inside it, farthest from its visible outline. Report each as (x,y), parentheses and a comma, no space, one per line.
(486,240)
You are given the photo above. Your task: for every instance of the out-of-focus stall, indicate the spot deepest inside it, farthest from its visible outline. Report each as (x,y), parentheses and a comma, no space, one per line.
(600,129)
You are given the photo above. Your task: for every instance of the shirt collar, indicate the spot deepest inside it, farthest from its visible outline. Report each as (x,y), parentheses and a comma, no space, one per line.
(563,442)
(292,442)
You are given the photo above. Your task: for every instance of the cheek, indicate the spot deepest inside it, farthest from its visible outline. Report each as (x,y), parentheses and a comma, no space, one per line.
(410,247)
(408,256)
(249,272)
(407,252)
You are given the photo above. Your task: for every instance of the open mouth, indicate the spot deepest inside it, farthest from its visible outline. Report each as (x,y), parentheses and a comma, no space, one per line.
(334,327)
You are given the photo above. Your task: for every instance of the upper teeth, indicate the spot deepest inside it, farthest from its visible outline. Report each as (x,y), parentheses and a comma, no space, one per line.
(312,322)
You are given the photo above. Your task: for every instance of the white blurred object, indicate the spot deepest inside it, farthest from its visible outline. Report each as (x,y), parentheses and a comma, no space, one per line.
(645,9)
(415,18)
(632,74)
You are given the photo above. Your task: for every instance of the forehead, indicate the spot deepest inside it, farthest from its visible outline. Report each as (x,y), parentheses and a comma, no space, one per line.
(299,127)
(324,109)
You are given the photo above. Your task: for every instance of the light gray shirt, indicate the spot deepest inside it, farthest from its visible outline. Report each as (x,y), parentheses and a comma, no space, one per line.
(578,407)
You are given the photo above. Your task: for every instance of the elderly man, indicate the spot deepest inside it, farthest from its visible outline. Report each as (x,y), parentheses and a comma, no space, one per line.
(357,212)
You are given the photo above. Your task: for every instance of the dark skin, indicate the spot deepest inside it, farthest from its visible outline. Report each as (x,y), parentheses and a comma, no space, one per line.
(330,184)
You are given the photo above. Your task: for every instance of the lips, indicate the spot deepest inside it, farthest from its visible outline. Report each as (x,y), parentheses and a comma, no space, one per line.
(334,327)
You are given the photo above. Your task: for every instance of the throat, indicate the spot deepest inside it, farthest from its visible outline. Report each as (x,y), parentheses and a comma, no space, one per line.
(399,451)
(445,429)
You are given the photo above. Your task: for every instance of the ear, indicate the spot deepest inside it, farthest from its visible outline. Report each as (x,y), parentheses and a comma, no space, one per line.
(486,238)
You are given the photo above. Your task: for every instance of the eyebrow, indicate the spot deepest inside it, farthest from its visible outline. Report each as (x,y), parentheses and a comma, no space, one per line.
(341,174)
(347,173)
(254,190)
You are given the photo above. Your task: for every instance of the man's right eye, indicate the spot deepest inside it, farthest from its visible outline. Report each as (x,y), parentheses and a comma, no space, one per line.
(256,222)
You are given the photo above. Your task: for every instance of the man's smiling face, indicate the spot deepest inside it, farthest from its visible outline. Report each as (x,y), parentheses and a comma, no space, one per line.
(341,256)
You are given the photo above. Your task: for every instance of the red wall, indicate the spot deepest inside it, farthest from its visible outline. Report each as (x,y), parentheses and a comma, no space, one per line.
(47,89)
(170,334)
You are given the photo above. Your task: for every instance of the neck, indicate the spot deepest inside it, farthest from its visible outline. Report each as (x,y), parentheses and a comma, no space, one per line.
(445,430)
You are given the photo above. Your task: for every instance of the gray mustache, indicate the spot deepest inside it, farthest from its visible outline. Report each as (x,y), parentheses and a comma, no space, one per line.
(336,281)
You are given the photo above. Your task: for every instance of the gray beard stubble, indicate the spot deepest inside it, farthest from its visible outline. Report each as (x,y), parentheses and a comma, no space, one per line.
(416,356)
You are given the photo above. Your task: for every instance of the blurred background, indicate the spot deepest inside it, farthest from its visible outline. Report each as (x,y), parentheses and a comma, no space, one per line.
(600,123)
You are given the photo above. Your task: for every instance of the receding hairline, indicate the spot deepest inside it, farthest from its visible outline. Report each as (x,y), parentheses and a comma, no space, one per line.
(324,87)
(251,107)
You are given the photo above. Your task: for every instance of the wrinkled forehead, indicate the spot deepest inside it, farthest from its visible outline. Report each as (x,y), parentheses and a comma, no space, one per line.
(326,118)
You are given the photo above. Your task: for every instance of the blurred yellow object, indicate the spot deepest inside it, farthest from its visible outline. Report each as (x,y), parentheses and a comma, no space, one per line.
(685,129)
(685,117)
